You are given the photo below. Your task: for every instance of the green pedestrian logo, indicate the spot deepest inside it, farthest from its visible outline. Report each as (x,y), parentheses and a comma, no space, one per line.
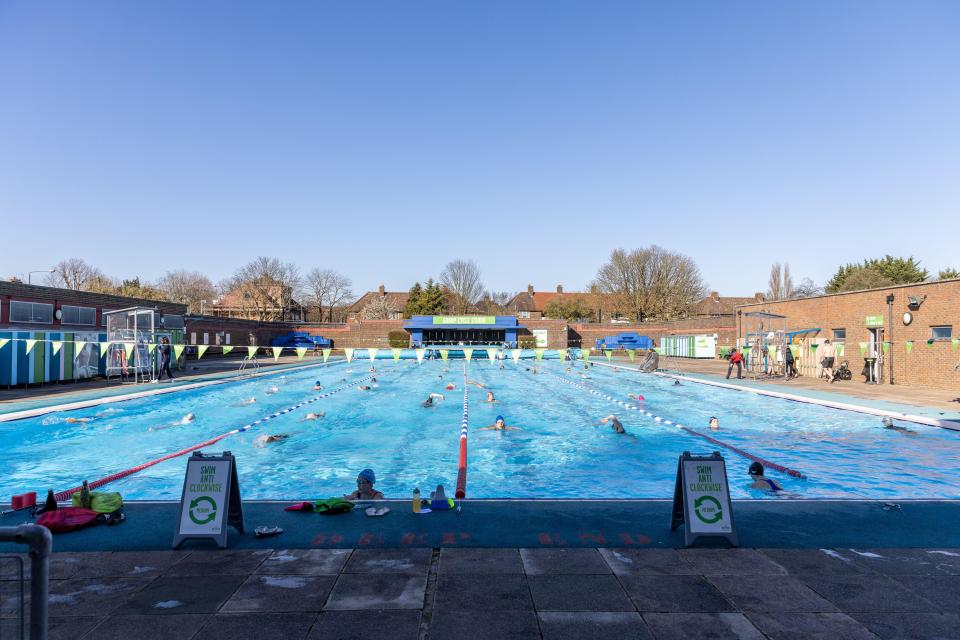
(707,509)
(200,514)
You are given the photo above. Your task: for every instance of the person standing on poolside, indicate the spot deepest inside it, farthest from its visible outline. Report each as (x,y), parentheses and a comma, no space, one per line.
(736,358)
(164,350)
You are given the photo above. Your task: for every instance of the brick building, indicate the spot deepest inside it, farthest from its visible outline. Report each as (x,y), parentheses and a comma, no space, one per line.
(919,349)
(263,301)
(530,304)
(394,301)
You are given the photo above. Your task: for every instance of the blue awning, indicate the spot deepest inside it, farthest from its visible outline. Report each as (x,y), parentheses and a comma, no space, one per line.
(495,327)
(790,334)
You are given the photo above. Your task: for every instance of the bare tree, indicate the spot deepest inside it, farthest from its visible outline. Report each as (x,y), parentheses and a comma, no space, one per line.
(266,287)
(462,278)
(76,274)
(328,289)
(377,309)
(187,287)
(781,283)
(494,302)
(807,289)
(651,282)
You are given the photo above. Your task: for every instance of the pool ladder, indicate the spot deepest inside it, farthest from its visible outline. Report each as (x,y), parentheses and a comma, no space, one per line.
(250,365)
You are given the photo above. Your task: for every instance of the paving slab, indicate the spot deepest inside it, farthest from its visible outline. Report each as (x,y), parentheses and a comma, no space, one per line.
(609,625)
(570,592)
(810,626)
(81,596)
(480,561)
(916,626)
(644,562)
(906,562)
(674,594)
(817,562)
(557,561)
(144,627)
(942,591)
(868,593)
(317,562)
(730,562)
(785,594)
(58,627)
(369,625)
(377,591)
(176,595)
(484,625)
(256,626)
(235,562)
(279,593)
(701,626)
(482,593)
(132,564)
(409,561)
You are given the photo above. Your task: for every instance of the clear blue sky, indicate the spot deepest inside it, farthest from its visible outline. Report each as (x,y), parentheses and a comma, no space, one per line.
(384,139)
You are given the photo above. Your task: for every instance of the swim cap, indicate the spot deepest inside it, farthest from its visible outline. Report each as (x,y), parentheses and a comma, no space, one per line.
(368,474)
(499,419)
(317,383)
(756,469)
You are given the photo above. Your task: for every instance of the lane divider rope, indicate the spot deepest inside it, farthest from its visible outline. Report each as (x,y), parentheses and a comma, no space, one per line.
(461,490)
(65,495)
(656,418)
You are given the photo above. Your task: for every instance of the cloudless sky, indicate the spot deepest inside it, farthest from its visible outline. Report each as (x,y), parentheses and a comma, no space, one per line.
(384,139)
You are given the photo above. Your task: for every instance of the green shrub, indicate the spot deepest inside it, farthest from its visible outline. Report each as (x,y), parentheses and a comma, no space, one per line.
(399,339)
(527,342)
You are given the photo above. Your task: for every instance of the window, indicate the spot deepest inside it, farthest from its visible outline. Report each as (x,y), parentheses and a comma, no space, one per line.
(839,335)
(103,316)
(523,314)
(78,315)
(36,312)
(941,333)
(171,321)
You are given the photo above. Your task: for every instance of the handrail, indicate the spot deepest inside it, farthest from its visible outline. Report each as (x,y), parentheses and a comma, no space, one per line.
(40,541)
(246,361)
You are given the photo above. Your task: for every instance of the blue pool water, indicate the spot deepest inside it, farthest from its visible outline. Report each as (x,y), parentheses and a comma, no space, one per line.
(562,451)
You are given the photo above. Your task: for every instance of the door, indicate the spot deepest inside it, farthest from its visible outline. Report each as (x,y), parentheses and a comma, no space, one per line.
(875,350)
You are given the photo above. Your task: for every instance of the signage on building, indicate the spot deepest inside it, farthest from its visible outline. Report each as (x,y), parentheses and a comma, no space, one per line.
(464,320)
(874,321)
(701,499)
(210,500)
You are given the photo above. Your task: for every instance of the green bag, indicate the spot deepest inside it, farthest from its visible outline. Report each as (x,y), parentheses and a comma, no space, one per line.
(100,501)
(332,505)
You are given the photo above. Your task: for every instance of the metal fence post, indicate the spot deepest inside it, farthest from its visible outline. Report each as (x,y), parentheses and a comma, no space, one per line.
(41,545)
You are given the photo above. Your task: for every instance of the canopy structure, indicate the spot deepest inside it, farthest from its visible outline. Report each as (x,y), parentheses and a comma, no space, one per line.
(463,330)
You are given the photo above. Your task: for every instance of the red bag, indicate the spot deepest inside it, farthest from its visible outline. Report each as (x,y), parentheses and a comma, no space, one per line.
(69,519)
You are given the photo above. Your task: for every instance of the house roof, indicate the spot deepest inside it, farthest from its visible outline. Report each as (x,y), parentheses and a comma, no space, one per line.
(538,300)
(396,300)
(716,305)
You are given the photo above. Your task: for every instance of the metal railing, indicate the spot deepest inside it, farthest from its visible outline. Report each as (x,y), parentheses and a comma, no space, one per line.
(250,364)
(40,543)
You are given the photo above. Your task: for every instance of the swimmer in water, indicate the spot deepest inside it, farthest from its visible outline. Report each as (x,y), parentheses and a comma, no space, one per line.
(78,420)
(248,401)
(273,389)
(614,423)
(315,416)
(478,385)
(888,424)
(187,419)
(760,481)
(429,401)
(450,386)
(638,397)
(500,425)
(363,387)
(264,440)
(714,424)
(317,386)
(490,397)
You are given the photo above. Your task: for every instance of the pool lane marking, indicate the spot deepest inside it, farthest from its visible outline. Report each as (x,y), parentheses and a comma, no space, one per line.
(461,490)
(749,456)
(65,495)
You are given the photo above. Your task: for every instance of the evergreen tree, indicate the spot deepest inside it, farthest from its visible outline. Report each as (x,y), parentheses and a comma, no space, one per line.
(414,300)
(888,269)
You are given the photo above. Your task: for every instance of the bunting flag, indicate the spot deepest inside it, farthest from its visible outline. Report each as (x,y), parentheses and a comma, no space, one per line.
(54,345)
(301,351)
(838,349)
(153,347)
(30,344)
(104,347)
(631,353)
(795,350)
(3,342)
(443,354)
(326,354)
(468,353)
(745,350)
(539,354)
(909,346)
(419,353)
(202,349)
(562,354)
(251,351)
(954,342)
(372,353)
(227,350)
(863,348)
(396,354)
(349,354)
(930,342)
(128,350)
(886,347)
(78,346)
(609,354)
(276,353)
(585,353)
(492,354)
(515,354)
(177,350)
(814,346)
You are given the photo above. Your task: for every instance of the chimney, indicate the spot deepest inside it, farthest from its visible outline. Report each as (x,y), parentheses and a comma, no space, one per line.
(381,290)
(559,288)
(715,296)
(759,297)
(530,289)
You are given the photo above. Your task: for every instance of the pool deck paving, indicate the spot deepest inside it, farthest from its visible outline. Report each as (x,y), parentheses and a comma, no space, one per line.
(515,593)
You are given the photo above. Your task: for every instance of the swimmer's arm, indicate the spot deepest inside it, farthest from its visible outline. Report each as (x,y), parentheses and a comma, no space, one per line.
(352,496)
(512,428)
(486,428)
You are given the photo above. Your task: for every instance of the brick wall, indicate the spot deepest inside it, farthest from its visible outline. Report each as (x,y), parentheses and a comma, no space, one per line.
(927,366)
(724,327)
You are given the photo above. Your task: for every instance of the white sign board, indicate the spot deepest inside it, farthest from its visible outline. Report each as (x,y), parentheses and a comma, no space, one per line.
(541,337)
(210,500)
(702,498)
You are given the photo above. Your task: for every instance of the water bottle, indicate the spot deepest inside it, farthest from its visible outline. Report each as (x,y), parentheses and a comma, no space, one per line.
(416,500)
(51,504)
(85,499)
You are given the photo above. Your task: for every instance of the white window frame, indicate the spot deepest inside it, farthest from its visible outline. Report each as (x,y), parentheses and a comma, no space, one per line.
(949,327)
(523,314)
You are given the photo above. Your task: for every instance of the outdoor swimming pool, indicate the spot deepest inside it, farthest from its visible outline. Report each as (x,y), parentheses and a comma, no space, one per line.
(561,452)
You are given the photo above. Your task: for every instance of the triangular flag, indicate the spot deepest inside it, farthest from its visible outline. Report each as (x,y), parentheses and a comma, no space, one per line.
(795,350)
(814,346)
(886,347)
(3,342)
(863,348)
(349,354)
(443,354)
(585,353)
(227,349)
(372,353)
(909,346)
(55,346)
(252,351)
(104,347)
(202,349)
(492,354)
(276,353)
(326,354)
(515,354)
(631,353)
(78,346)
(539,354)
(838,349)
(608,353)
(128,349)
(177,350)
(396,354)
(420,353)
(954,342)
(468,353)
(562,354)
(301,351)
(30,344)
(930,342)
(153,347)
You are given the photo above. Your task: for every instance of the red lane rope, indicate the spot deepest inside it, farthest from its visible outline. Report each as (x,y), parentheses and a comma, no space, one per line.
(461,491)
(749,456)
